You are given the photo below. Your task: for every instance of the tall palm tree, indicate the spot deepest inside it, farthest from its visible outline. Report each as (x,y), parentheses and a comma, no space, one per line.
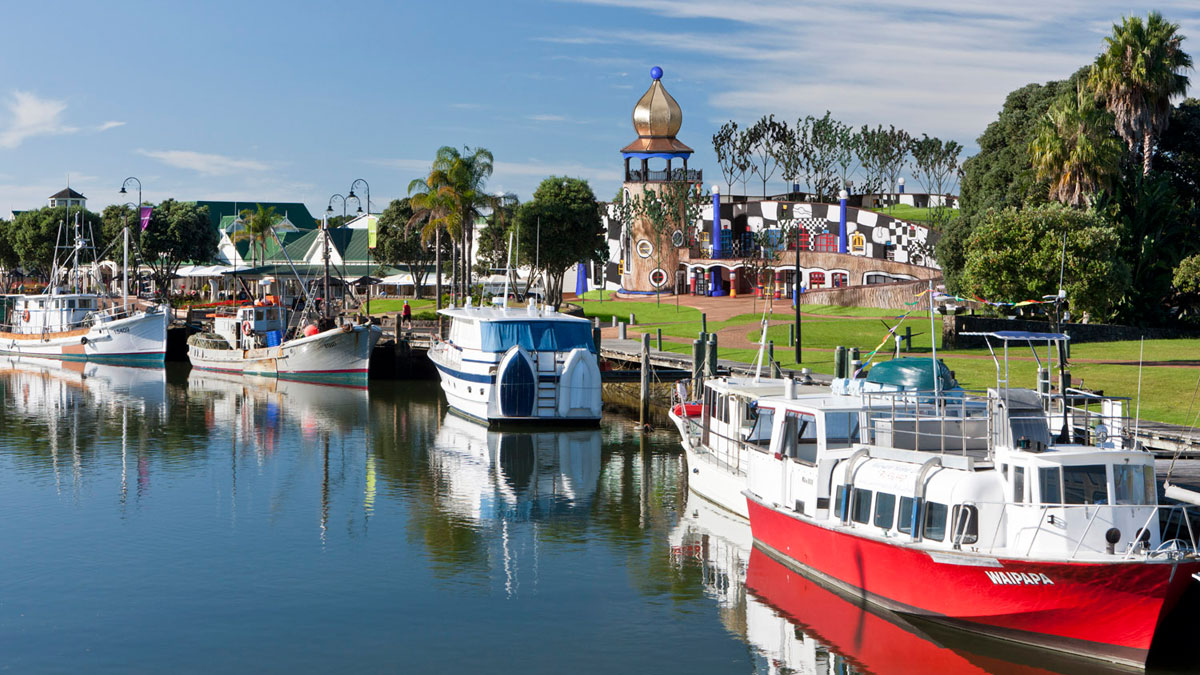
(466,173)
(1137,74)
(256,228)
(1075,149)
(436,205)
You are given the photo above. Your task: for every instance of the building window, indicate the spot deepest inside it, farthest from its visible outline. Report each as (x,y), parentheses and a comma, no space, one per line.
(840,280)
(805,240)
(827,243)
(816,279)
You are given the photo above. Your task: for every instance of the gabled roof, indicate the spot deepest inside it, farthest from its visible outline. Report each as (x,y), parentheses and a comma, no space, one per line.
(296,212)
(67,193)
(296,245)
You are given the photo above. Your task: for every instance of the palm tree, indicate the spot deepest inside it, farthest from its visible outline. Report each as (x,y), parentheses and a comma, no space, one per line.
(437,206)
(1075,149)
(1137,74)
(256,228)
(466,173)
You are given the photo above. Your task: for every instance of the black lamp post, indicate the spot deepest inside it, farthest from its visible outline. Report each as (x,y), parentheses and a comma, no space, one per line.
(137,209)
(367,186)
(796,294)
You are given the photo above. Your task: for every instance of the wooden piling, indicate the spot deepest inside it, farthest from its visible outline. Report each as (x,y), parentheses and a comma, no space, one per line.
(644,395)
(596,338)
(791,335)
(659,331)
(711,360)
(621,331)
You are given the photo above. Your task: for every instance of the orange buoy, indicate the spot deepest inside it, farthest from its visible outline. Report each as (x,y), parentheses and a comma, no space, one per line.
(311,330)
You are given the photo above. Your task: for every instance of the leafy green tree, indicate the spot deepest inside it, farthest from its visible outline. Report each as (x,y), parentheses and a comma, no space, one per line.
(1137,74)
(400,244)
(1178,153)
(935,166)
(1016,255)
(568,217)
(1075,149)
(816,138)
(1186,281)
(33,234)
(113,220)
(466,173)
(179,232)
(732,154)
(8,257)
(767,138)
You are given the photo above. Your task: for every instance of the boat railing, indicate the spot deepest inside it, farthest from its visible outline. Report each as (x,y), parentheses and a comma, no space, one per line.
(726,454)
(1173,521)
(956,422)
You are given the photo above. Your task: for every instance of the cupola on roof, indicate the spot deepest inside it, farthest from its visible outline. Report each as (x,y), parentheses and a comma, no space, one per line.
(656,119)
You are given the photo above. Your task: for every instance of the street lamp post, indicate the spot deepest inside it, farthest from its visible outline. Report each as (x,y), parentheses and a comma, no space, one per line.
(367,186)
(796,295)
(125,272)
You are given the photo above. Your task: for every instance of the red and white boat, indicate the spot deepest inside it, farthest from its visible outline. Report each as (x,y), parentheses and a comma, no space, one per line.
(1027,516)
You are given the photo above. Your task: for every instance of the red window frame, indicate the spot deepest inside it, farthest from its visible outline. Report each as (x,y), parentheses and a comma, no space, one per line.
(826,243)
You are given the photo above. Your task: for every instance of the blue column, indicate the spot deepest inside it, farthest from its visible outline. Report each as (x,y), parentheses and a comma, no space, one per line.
(842,223)
(716,228)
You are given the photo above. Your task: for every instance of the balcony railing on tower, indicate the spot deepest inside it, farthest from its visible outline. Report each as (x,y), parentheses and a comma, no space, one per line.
(664,176)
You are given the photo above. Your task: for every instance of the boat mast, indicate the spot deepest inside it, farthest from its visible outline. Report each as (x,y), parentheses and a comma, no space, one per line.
(125,270)
(325,248)
(933,341)
(508,272)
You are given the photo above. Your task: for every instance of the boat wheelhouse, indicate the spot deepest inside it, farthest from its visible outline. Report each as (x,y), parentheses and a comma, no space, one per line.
(501,364)
(1029,515)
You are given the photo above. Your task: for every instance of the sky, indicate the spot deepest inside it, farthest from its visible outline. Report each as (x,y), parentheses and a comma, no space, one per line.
(274,101)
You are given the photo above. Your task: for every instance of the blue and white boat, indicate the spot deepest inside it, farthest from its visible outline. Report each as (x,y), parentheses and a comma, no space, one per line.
(529,364)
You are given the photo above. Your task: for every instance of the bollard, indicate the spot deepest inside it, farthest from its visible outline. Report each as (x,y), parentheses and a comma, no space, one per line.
(839,361)
(854,355)
(703,322)
(659,331)
(907,339)
(632,319)
(791,335)
(595,322)
(776,371)
(855,366)
(614,322)
(596,338)
(621,331)
(697,367)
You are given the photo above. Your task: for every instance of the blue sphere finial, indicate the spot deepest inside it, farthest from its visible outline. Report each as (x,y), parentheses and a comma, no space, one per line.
(656,73)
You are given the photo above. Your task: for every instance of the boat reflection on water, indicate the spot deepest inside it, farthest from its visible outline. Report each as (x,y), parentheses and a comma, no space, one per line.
(507,482)
(798,625)
(41,386)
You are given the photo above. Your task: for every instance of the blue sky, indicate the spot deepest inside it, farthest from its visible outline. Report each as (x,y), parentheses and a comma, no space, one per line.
(276,101)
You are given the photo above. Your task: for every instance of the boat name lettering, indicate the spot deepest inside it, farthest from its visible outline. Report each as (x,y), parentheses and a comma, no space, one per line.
(119,330)
(1019,579)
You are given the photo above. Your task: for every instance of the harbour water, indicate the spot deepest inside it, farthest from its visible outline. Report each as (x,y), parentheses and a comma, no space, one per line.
(161,520)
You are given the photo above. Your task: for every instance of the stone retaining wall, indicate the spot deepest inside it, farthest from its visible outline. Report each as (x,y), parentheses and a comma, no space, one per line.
(887,296)
(1079,332)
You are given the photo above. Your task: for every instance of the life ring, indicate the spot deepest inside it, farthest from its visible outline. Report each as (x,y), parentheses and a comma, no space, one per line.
(247,328)
(25,316)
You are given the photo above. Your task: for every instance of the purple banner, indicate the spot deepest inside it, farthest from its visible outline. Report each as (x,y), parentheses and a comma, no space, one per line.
(145,214)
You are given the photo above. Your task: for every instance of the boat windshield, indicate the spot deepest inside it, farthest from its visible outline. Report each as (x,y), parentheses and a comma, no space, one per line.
(561,336)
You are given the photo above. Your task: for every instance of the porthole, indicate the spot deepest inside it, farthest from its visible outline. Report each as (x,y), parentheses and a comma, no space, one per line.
(677,239)
(658,277)
(644,248)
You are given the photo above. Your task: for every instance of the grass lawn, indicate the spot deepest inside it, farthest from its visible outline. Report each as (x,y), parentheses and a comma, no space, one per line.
(1167,389)
(647,312)
(421,309)
(910,213)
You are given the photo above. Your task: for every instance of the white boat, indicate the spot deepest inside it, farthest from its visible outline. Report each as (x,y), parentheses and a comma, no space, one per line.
(83,327)
(1025,515)
(502,364)
(251,341)
(80,325)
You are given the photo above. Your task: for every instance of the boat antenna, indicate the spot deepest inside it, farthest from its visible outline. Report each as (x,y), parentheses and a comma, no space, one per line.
(508,272)
(933,341)
(537,258)
(1137,415)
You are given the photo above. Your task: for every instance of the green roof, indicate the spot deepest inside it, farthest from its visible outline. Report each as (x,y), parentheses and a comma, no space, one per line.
(313,271)
(295,243)
(295,212)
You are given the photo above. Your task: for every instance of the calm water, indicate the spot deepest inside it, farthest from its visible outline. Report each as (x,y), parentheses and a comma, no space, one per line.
(161,520)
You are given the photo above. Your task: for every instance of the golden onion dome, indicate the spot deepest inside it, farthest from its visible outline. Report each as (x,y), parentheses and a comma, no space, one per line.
(656,113)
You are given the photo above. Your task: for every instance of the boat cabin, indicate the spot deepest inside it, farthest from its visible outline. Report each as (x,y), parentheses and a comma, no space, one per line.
(51,313)
(261,325)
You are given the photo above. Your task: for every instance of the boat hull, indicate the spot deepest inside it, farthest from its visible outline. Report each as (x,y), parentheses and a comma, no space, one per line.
(139,338)
(710,479)
(1098,609)
(337,356)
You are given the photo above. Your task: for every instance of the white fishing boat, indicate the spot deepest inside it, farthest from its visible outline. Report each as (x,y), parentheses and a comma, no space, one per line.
(76,324)
(502,364)
(253,340)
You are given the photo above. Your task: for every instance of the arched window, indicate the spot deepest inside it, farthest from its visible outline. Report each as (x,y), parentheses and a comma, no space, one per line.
(840,280)
(816,279)
(827,243)
(858,243)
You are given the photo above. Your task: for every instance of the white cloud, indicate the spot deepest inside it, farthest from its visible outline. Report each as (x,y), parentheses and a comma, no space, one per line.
(31,116)
(110,125)
(205,163)
(546,118)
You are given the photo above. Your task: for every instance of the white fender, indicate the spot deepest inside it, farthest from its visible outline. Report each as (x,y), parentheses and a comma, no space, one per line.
(579,386)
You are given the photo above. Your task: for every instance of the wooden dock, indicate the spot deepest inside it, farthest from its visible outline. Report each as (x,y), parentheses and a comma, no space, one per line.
(630,351)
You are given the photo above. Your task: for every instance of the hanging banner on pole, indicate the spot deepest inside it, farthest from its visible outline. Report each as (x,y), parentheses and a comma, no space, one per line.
(372,231)
(145,212)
